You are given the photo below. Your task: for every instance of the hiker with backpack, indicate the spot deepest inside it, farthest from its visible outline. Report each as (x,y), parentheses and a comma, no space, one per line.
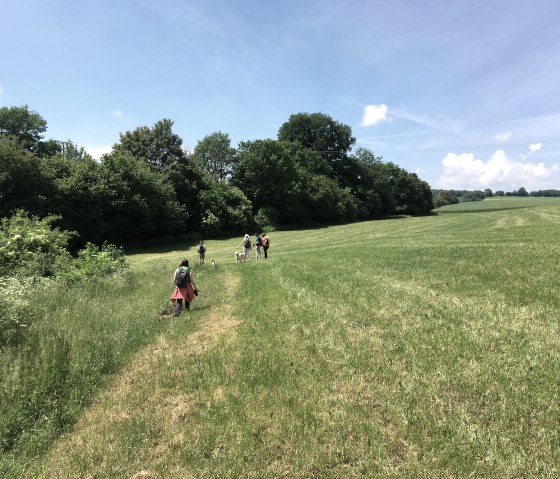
(185,287)
(265,244)
(246,243)
(201,249)
(258,245)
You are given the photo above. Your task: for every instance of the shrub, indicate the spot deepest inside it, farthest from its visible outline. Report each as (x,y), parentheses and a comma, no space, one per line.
(94,262)
(32,247)
(14,304)
(31,251)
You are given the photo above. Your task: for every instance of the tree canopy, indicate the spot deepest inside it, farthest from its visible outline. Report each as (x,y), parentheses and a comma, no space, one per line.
(215,155)
(320,133)
(149,187)
(27,127)
(157,146)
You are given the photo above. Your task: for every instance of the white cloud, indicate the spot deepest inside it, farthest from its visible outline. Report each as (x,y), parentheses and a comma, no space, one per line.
(374,114)
(97,151)
(535,147)
(464,171)
(504,136)
(120,114)
(1,91)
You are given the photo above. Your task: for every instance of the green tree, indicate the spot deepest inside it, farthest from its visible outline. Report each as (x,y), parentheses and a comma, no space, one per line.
(21,183)
(488,193)
(215,155)
(369,181)
(158,146)
(324,200)
(280,179)
(138,202)
(77,194)
(25,125)
(225,208)
(475,195)
(444,197)
(319,132)
(412,195)
(71,151)
(188,181)
(267,172)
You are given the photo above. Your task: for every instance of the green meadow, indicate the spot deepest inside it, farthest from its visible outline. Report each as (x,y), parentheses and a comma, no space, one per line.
(415,347)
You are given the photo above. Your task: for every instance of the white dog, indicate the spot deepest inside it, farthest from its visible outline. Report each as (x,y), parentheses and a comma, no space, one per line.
(240,256)
(214,263)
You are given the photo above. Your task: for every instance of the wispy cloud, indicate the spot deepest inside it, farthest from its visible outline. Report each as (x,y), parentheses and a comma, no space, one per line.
(120,114)
(535,147)
(374,114)
(503,137)
(440,122)
(464,171)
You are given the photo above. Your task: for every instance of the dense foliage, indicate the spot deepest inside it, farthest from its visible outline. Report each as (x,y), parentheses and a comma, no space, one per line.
(33,252)
(150,188)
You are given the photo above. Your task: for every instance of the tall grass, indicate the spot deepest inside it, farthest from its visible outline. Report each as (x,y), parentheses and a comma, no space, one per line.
(414,347)
(72,338)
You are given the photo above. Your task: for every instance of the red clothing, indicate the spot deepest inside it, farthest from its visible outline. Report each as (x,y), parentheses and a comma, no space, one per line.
(185,293)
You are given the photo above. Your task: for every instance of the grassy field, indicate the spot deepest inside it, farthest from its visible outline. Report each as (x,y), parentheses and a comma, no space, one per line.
(499,203)
(413,347)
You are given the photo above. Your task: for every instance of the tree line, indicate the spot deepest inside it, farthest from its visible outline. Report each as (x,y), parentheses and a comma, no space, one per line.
(451,197)
(149,187)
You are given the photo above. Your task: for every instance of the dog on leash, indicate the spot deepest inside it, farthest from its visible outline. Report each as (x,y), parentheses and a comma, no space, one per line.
(239,256)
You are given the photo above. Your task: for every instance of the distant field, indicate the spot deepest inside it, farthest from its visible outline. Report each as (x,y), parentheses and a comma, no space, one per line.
(499,203)
(413,347)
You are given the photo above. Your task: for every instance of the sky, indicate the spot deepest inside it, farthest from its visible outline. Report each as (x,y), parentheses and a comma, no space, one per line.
(464,93)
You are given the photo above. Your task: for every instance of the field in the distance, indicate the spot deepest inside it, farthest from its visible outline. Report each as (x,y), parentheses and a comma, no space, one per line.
(499,203)
(414,347)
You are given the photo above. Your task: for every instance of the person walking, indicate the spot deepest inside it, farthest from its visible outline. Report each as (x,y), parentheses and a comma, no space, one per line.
(201,249)
(265,244)
(185,287)
(258,245)
(246,243)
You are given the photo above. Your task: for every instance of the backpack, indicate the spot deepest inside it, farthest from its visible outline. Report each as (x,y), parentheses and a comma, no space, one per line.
(247,243)
(182,277)
(201,248)
(258,241)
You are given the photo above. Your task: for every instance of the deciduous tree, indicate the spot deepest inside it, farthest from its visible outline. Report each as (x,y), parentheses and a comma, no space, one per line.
(215,155)
(157,146)
(319,132)
(24,124)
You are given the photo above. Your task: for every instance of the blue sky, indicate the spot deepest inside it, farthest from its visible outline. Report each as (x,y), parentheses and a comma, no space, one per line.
(465,93)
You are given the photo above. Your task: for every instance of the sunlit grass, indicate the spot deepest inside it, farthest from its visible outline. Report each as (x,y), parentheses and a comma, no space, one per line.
(415,347)
(499,203)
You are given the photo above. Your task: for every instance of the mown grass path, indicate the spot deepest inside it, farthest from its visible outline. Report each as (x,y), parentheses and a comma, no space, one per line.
(133,422)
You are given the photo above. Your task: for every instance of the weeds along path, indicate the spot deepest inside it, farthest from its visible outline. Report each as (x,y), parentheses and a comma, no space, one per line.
(132,427)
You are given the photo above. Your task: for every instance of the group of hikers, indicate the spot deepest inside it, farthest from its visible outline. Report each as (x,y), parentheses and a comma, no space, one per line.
(185,286)
(261,242)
